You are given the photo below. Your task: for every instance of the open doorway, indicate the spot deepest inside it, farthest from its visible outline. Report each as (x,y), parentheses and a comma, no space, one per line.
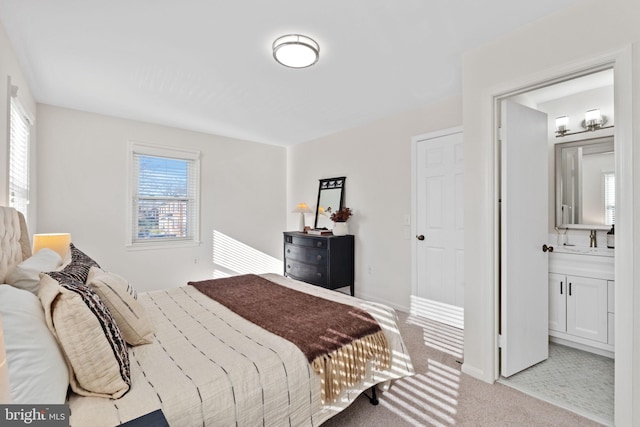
(579,287)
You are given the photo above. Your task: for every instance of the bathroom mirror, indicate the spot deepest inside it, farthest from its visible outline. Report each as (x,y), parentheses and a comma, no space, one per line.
(585,184)
(330,195)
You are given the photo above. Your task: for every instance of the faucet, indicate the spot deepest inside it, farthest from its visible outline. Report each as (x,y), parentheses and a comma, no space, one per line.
(592,239)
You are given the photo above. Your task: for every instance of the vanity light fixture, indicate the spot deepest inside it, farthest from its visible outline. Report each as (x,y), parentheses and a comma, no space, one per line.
(296,51)
(593,120)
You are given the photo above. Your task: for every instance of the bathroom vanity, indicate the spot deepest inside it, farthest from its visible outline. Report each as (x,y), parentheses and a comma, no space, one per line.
(581,298)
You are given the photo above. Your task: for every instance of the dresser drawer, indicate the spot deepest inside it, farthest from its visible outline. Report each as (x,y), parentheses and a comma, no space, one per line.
(305,254)
(312,242)
(312,273)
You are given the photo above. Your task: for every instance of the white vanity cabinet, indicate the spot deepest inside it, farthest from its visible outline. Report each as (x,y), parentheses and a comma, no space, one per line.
(581,300)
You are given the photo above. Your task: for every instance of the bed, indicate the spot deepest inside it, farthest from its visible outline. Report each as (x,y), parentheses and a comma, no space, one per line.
(201,363)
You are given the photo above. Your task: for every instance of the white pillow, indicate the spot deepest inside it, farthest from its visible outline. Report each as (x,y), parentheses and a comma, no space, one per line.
(26,275)
(37,370)
(122,301)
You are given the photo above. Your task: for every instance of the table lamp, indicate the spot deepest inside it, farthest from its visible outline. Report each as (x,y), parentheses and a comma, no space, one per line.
(303,208)
(58,242)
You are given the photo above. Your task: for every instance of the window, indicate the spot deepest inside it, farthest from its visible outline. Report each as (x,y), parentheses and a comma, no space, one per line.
(610,198)
(19,131)
(165,190)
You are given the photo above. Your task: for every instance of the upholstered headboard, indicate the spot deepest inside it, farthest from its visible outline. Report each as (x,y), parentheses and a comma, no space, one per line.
(14,240)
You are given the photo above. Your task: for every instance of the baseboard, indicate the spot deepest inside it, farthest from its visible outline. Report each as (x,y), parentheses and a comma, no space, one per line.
(438,311)
(474,372)
(583,347)
(398,307)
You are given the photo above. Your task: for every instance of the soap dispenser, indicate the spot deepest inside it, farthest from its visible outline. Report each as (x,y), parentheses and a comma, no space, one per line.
(611,237)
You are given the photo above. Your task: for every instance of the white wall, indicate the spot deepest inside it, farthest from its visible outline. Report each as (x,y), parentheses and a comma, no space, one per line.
(82,178)
(501,66)
(9,68)
(376,159)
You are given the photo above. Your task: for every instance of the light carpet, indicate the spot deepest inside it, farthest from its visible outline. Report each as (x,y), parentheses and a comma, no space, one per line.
(441,395)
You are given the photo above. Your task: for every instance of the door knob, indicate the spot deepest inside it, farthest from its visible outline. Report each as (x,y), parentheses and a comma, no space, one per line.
(420,237)
(546,248)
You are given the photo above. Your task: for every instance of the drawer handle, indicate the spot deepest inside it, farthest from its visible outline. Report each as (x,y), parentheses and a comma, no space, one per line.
(288,267)
(319,244)
(319,257)
(569,288)
(319,274)
(288,251)
(560,287)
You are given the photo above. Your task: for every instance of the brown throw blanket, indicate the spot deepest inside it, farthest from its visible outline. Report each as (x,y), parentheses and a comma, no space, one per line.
(337,339)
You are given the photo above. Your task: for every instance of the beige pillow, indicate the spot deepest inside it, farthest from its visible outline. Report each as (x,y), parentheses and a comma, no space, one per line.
(95,351)
(26,275)
(122,300)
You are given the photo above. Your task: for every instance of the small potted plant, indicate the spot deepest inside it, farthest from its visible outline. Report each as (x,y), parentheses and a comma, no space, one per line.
(340,218)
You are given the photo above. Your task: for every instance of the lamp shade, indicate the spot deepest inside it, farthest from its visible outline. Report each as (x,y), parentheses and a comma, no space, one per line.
(5,397)
(302,208)
(58,242)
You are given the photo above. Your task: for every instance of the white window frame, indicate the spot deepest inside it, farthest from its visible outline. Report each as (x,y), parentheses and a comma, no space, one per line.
(137,148)
(17,110)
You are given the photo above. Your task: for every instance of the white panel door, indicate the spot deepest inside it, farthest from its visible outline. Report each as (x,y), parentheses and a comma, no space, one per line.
(440,220)
(524,222)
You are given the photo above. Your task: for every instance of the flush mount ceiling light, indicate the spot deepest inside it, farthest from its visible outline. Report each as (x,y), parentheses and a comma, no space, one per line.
(296,51)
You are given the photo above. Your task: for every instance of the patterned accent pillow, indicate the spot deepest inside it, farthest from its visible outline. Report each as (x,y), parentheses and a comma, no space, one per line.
(122,300)
(89,337)
(79,266)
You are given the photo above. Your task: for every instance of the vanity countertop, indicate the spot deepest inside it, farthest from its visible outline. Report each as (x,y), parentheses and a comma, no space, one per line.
(581,250)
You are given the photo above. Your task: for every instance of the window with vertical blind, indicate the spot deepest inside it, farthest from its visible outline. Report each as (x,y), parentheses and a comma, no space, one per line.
(609,198)
(19,135)
(164,195)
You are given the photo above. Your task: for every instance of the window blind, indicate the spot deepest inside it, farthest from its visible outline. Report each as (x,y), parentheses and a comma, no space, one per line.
(19,133)
(165,198)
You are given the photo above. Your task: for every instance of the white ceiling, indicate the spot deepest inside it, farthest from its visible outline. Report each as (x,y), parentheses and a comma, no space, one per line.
(207,65)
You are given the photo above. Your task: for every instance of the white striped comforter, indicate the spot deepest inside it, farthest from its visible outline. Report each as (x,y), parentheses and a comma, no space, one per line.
(210,367)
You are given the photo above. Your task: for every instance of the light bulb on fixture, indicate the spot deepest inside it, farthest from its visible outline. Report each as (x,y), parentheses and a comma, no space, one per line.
(562,125)
(296,51)
(593,119)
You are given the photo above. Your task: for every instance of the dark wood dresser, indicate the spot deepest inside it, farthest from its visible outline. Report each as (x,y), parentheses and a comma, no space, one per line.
(325,261)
